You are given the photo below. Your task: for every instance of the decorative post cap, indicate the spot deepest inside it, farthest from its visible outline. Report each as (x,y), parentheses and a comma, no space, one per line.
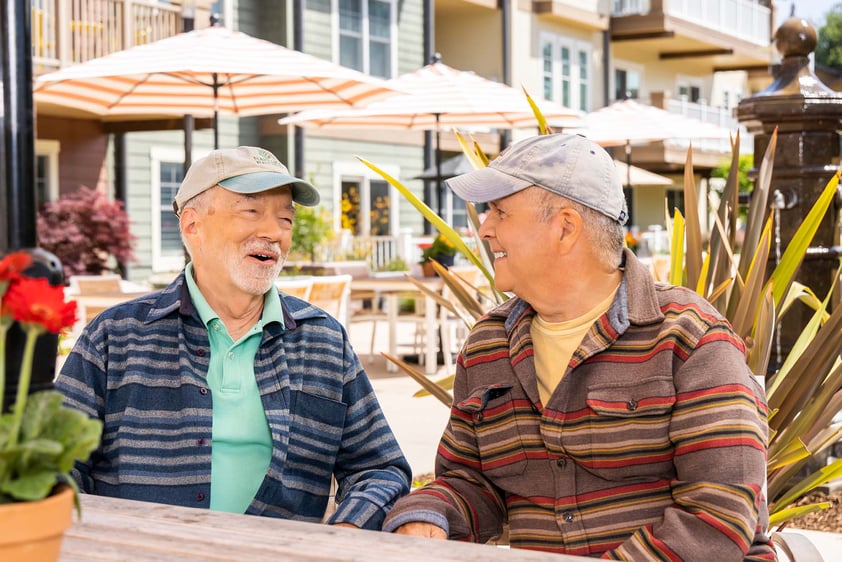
(796,37)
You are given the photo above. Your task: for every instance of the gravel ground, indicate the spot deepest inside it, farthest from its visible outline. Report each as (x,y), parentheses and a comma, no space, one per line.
(828,520)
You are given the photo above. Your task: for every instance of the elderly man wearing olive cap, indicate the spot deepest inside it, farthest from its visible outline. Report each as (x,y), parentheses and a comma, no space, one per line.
(598,413)
(220,392)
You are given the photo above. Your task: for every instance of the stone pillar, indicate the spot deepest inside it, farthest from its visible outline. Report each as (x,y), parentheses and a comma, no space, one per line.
(808,116)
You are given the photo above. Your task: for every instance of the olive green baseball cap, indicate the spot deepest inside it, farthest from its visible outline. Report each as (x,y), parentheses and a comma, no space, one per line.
(245,169)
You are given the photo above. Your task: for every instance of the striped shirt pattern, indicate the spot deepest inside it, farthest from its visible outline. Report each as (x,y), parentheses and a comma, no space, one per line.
(140,368)
(652,447)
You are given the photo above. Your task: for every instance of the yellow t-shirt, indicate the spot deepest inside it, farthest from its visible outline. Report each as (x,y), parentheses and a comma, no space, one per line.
(554,343)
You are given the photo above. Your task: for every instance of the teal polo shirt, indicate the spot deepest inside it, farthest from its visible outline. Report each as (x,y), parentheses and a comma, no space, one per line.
(242,444)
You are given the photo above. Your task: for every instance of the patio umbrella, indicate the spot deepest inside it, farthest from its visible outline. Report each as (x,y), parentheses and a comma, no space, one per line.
(460,164)
(202,73)
(441,96)
(627,122)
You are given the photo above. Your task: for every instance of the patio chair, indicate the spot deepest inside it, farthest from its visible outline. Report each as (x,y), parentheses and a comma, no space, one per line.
(332,294)
(295,286)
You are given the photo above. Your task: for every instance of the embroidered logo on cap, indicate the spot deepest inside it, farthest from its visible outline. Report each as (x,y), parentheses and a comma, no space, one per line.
(263,157)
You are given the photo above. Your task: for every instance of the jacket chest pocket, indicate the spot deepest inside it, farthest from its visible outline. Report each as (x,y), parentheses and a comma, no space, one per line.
(499,419)
(315,433)
(627,432)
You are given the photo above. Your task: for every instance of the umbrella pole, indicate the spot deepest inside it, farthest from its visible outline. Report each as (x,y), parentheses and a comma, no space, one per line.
(627,190)
(440,188)
(628,164)
(215,111)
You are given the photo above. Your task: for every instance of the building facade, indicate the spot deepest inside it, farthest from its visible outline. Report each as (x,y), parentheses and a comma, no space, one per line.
(696,58)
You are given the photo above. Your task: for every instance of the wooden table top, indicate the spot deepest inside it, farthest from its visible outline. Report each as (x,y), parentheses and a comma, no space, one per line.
(115,529)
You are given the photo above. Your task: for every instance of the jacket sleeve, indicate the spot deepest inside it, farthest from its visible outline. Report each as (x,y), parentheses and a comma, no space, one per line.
(82,382)
(371,470)
(719,432)
(460,500)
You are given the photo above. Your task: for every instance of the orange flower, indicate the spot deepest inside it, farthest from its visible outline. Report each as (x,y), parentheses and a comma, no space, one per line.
(35,301)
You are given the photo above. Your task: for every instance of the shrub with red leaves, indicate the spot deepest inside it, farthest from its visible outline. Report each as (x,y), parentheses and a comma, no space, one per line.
(85,231)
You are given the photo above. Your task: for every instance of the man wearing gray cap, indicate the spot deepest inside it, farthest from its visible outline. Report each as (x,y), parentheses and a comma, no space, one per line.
(598,413)
(220,392)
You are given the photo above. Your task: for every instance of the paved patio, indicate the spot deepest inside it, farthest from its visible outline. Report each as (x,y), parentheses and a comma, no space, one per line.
(416,422)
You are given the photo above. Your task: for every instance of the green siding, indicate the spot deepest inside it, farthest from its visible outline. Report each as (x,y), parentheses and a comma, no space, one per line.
(323,153)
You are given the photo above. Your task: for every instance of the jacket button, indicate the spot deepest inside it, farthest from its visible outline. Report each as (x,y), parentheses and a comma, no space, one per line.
(200,497)
(561,463)
(568,516)
(631,405)
(203,390)
(200,441)
(200,352)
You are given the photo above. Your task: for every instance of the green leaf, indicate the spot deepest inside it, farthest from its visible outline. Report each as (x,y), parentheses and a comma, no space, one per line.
(784,515)
(434,219)
(677,250)
(441,394)
(31,487)
(822,476)
(445,382)
(797,247)
(692,228)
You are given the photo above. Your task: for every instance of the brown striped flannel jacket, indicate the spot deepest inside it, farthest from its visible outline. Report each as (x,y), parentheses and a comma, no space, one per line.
(652,447)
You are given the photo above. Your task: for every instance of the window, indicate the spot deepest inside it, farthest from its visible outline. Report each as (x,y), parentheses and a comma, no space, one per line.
(367,205)
(46,171)
(167,173)
(626,84)
(567,71)
(689,91)
(366,31)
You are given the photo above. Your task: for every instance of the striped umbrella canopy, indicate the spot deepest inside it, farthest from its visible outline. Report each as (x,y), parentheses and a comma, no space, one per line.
(628,122)
(202,73)
(439,96)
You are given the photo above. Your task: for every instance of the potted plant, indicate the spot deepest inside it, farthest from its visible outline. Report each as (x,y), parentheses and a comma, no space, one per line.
(441,250)
(40,438)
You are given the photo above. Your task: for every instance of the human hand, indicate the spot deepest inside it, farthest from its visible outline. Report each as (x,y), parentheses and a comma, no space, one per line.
(420,529)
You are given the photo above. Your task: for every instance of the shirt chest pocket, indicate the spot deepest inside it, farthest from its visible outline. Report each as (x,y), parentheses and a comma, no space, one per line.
(627,429)
(498,420)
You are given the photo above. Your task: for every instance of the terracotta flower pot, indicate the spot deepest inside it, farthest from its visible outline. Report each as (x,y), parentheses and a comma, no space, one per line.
(32,531)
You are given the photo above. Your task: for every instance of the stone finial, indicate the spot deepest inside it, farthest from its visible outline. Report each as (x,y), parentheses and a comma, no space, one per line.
(796,38)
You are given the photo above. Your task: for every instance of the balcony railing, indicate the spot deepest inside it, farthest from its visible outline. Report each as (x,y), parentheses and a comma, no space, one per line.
(745,19)
(66,32)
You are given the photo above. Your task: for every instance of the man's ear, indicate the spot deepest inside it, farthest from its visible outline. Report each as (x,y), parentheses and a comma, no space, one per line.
(569,227)
(187,221)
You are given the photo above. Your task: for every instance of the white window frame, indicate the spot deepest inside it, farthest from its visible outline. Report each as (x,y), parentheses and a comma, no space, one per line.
(366,37)
(50,149)
(157,154)
(358,172)
(628,67)
(576,49)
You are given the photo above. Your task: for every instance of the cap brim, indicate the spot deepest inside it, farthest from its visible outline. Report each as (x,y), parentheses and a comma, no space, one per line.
(302,192)
(486,184)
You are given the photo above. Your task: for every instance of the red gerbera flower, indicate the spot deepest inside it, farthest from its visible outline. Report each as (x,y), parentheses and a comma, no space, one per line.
(11,267)
(35,301)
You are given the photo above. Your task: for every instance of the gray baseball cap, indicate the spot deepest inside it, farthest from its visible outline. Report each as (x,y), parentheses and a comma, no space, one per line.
(246,169)
(570,165)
